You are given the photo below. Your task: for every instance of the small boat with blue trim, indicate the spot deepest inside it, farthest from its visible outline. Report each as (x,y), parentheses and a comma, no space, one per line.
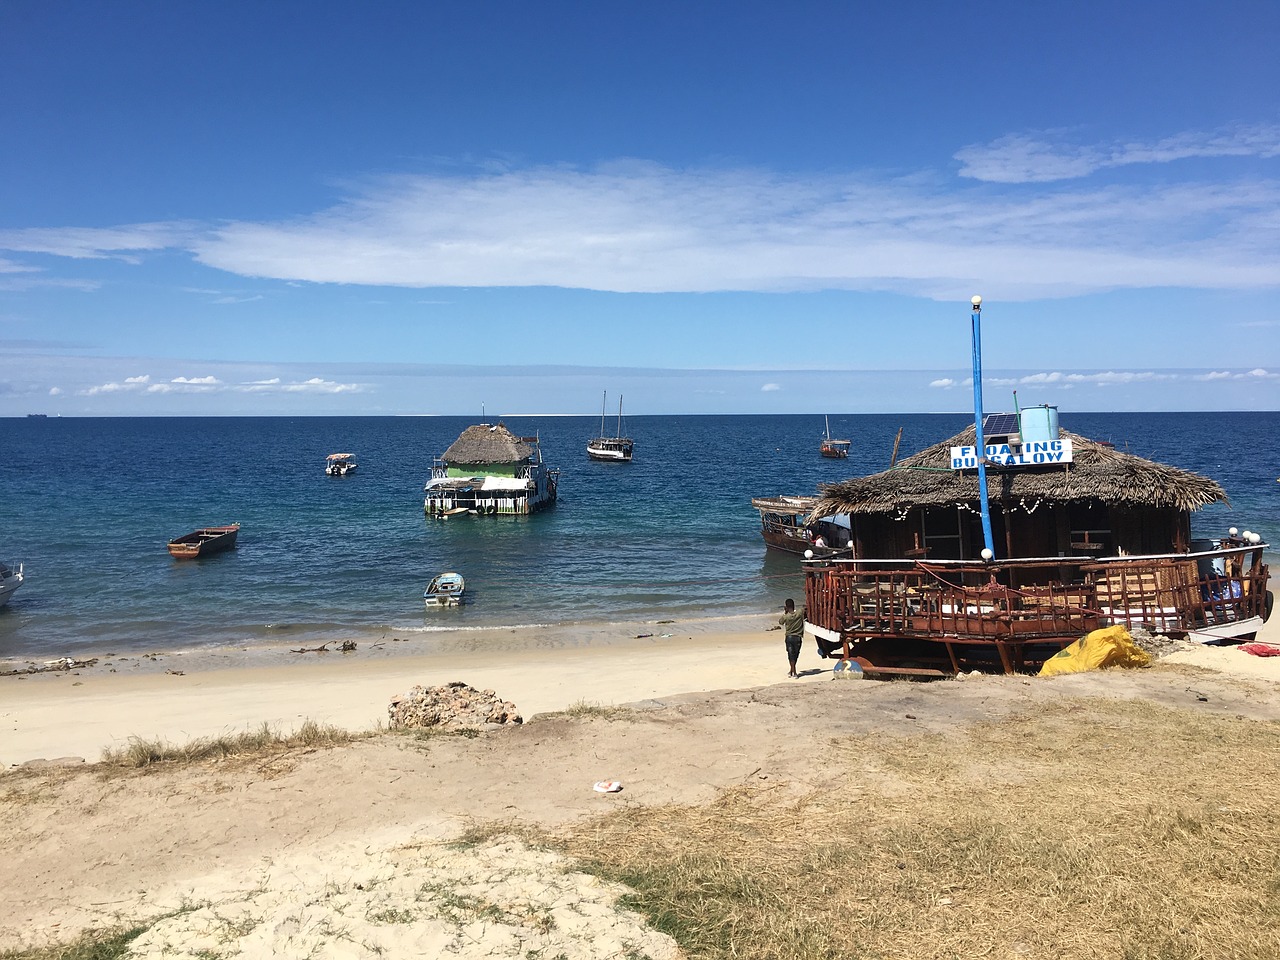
(445,590)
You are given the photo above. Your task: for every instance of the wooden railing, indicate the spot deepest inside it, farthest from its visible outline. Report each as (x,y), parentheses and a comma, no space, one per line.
(1044,601)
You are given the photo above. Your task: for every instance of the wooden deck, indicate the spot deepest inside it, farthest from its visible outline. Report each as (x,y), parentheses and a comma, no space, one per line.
(1013,615)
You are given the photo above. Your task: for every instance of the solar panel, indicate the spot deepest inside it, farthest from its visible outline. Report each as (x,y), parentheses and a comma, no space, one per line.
(999,425)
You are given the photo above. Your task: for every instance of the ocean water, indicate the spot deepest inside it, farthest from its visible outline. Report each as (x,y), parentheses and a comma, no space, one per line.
(89,505)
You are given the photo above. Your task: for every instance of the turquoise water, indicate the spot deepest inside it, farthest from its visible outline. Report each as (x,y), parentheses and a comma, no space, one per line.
(89,504)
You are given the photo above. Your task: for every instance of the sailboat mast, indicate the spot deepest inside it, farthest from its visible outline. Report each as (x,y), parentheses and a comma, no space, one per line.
(603,400)
(619,433)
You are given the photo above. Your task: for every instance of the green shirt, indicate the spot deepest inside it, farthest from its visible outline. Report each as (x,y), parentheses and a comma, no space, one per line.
(793,623)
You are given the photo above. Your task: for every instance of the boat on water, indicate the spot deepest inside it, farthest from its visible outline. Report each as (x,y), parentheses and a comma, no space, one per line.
(785,526)
(833,449)
(489,470)
(1084,536)
(10,580)
(340,464)
(444,590)
(205,541)
(615,449)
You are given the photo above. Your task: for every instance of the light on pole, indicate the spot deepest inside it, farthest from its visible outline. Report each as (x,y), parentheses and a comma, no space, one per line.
(980,442)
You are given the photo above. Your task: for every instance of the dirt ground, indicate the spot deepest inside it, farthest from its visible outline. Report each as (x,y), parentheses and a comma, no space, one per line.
(90,848)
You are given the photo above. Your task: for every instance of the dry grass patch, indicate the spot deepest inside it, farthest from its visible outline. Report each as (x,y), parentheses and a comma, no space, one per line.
(1094,829)
(586,709)
(98,945)
(248,744)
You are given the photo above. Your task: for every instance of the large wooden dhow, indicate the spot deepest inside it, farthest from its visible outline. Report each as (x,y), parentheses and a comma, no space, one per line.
(489,470)
(785,526)
(1086,537)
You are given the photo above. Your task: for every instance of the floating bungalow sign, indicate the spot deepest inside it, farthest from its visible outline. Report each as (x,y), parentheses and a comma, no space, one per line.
(1032,453)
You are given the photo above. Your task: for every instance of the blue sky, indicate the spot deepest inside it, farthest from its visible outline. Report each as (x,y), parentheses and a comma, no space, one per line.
(408,208)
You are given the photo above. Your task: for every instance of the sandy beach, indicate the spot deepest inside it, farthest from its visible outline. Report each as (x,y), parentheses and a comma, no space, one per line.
(274,856)
(182,695)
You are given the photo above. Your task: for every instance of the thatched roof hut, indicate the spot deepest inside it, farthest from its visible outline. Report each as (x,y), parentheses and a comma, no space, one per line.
(1103,502)
(486,443)
(1099,474)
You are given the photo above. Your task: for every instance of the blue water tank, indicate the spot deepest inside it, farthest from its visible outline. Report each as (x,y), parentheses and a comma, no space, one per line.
(1039,424)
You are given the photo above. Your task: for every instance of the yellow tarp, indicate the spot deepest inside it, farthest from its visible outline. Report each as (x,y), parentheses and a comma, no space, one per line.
(1108,647)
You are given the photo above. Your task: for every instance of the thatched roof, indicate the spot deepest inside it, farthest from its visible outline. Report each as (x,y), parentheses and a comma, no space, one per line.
(1099,473)
(488,443)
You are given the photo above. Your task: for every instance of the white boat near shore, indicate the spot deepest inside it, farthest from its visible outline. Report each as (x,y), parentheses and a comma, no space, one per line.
(445,590)
(10,580)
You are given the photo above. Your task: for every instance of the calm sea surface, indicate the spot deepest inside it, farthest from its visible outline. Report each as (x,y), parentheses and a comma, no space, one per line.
(89,504)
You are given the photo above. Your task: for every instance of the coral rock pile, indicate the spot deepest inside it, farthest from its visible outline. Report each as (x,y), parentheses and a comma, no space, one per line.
(453,706)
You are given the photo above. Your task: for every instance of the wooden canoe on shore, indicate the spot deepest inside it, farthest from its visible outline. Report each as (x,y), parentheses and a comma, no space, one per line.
(202,542)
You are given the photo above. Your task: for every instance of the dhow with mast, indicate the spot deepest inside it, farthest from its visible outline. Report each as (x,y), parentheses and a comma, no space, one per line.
(615,449)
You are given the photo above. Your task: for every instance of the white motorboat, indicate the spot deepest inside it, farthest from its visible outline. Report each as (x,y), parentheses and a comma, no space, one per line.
(340,464)
(444,590)
(10,580)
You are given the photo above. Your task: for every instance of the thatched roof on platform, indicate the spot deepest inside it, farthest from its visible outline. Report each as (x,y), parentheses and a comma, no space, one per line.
(1099,473)
(488,443)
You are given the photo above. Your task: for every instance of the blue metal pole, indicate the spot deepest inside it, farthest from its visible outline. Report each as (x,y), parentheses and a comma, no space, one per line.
(979,441)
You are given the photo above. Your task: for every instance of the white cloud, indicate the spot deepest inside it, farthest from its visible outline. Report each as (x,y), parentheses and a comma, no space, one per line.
(211,384)
(187,385)
(642,227)
(1105,378)
(314,385)
(129,384)
(770,387)
(55,391)
(94,243)
(1047,156)
(1257,374)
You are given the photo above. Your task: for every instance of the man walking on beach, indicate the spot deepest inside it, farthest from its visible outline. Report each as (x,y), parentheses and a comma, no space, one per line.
(792,623)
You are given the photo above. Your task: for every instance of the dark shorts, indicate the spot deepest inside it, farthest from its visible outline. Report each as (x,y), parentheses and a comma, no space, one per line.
(793,648)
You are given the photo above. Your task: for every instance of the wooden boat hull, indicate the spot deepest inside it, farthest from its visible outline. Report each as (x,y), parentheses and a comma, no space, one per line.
(204,542)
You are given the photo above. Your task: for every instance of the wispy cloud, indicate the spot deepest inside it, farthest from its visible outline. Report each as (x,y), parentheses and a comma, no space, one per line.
(1258,375)
(642,227)
(1105,378)
(314,385)
(211,384)
(1048,155)
(770,387)
(97,243)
